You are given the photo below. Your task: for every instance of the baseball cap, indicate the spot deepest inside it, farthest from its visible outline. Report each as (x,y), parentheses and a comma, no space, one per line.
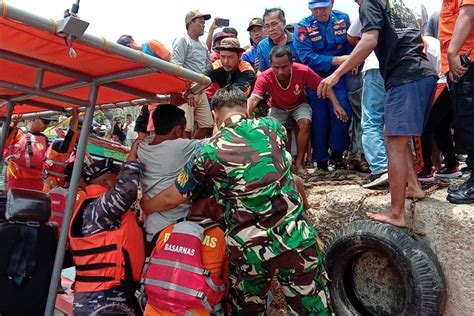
(220,35)
(313,4)
(255,22)
(231,44)
(194,14)
(47,119)
(98,168)
(125,40)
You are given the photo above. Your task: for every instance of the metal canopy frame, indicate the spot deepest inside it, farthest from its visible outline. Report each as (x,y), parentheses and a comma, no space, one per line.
(149,64)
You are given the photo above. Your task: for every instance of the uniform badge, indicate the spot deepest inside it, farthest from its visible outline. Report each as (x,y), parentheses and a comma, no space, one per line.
(340,46)
(316,38)
(302,34)
(182,179)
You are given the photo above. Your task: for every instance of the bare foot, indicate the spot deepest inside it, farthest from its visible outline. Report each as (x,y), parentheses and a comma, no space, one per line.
(388,217)
(415,193)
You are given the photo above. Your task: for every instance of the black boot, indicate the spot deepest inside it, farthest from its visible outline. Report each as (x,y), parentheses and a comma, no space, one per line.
(323,166)
(337,159)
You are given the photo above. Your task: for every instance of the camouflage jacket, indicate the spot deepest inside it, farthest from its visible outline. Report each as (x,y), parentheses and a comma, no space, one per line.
(249,171)
(105,213)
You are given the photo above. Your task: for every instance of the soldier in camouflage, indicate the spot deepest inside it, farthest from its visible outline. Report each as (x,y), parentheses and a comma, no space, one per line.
(267,233)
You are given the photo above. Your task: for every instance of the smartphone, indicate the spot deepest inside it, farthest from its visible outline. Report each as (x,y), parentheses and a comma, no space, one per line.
(222,22)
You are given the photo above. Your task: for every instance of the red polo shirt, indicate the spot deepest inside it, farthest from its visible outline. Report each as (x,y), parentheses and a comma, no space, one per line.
(287,98)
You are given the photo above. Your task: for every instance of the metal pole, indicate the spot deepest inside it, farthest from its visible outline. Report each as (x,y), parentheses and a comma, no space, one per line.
(5,127)
(76,173)
(161,98)
(42,93)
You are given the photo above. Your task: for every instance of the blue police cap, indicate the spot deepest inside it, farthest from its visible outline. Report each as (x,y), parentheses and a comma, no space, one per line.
(313,4)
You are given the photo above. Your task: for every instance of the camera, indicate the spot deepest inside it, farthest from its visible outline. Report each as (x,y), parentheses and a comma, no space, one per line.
(222,22)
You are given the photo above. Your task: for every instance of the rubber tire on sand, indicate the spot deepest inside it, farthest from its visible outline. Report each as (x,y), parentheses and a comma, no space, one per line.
(417,268)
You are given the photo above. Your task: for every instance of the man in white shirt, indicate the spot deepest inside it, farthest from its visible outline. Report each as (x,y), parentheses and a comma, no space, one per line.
(129,130)
(191,53)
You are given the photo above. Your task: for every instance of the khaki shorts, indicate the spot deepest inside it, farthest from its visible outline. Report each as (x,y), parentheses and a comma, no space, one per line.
(199,115)
(302,111)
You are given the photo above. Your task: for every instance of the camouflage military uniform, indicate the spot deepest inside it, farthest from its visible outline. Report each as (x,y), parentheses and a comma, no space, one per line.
(267,234)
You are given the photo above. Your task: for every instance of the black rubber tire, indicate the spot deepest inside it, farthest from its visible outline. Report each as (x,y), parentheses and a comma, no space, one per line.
(417,266)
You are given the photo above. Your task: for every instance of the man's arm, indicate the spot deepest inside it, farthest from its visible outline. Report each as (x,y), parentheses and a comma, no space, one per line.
(246,80)
(106,212)
(188,179)
(165,200)
(67,145)
(366,45)
(258,92)
(337,108)
(210,34)
(462,30)
(262,61)
(179,51)
(252,103)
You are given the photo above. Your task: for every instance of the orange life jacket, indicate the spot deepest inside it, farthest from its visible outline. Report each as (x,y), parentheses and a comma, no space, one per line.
(109,258)
(55,163)
(25,156)
(58,197)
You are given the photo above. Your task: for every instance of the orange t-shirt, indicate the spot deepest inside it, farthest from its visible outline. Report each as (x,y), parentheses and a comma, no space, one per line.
(447,20)
(159,49)
(214,258)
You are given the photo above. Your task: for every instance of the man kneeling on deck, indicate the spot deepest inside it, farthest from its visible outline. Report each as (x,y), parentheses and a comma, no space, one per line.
(106,240)
(162,300)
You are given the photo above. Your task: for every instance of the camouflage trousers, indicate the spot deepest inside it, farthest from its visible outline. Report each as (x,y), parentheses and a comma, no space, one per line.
(299,274)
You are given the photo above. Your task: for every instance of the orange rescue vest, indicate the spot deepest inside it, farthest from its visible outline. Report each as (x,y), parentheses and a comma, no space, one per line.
(25,157)
(55,163)
(109,258)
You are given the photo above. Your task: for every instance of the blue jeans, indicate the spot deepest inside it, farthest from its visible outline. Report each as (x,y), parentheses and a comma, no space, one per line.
(373,108)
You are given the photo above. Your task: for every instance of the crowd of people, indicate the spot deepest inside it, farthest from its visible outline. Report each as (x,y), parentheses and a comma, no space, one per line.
(219,172)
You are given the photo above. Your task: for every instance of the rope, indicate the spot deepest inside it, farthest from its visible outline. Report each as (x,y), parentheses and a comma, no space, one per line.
(54,26)
(331,183)
(4,9)
(361,201)
(413,211)
(180,71)
(106,44)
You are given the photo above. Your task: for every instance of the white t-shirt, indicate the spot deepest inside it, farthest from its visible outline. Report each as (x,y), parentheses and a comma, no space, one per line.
(131,134)
(355,30)
(433,52)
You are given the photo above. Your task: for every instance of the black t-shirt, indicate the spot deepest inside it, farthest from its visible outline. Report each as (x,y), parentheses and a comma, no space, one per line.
(400,45)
